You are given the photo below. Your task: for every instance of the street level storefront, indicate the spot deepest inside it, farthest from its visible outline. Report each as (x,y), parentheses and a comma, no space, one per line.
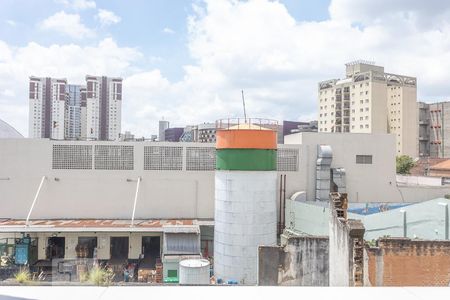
(129,248)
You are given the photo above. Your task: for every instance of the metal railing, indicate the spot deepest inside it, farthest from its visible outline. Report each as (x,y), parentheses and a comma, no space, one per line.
(246,123)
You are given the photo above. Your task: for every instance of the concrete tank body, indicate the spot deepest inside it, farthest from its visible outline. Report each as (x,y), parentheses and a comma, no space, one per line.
(245,218)
(245,200)
(194,271)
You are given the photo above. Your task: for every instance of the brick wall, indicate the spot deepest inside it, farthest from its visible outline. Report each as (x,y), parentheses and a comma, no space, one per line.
(406,262)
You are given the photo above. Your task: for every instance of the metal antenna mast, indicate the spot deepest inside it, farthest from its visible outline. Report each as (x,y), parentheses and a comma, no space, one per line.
(243,103)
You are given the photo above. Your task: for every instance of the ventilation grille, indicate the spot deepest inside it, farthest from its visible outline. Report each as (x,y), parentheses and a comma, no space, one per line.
(163,158)
(287,160)
(114,157)
(200,159)
(72,157)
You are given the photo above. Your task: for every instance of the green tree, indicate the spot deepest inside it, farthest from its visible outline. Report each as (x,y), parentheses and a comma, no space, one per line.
(404,164)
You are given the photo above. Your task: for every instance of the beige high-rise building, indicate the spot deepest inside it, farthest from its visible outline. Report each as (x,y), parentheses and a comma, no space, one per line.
(369,100)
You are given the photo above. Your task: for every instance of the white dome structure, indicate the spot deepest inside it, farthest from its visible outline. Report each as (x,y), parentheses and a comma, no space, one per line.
(8,132)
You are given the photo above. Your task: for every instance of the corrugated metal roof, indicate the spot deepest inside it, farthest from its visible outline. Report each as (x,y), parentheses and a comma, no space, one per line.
(161,225)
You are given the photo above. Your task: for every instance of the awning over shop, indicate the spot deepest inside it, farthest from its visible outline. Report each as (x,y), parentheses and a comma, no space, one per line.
(102,225)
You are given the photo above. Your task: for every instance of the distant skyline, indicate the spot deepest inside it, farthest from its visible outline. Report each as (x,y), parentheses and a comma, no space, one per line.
(188,60)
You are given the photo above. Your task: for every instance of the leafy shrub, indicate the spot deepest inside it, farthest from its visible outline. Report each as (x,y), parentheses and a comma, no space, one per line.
(23,276)
(101,276)
(404,164)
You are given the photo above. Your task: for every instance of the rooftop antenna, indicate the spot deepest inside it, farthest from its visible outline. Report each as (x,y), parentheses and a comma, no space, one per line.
(243,103)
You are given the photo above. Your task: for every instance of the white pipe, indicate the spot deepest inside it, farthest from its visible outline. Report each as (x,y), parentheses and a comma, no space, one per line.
(34,200)
(135,201)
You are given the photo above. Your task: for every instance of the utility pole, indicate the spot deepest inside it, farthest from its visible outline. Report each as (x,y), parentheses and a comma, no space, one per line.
(243,103)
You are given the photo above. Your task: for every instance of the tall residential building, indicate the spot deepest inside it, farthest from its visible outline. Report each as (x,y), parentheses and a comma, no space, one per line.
(47,98)
(103,108)
(73,120)
(83,114)
(163,125)
(369,100)
(434,129)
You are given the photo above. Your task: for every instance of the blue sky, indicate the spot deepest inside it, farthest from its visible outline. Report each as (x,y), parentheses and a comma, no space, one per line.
(187,61)
(145,24)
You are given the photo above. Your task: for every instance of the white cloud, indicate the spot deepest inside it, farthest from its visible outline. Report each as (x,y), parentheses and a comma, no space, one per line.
(168,30)
(11,23)
(254,45)
(107,17)
(67,61)
(67,24)
(78,4)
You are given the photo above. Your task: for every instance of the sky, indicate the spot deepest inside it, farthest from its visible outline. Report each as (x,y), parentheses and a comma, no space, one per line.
(187,60)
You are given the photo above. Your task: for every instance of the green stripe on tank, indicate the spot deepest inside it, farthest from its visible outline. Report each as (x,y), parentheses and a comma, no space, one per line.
(246,159)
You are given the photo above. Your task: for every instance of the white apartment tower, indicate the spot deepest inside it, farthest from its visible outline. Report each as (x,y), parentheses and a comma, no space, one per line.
(73,118)
(103,107)
(83,112)
(47,98)
(369,100)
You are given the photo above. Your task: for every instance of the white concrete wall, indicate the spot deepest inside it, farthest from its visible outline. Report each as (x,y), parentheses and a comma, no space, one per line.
(97,193)
(419,180)
(182,194)
(374,182)
(339,253)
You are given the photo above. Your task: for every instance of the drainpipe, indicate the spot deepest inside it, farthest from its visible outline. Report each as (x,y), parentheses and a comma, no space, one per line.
(442,129)
(135,200)
(405,229)
(445,205)
(34,201)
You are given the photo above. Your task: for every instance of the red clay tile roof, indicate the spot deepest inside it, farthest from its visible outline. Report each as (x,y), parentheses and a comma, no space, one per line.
(422,164)
(445,165)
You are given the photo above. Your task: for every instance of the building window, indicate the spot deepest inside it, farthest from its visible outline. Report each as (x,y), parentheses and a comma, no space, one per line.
(364,159)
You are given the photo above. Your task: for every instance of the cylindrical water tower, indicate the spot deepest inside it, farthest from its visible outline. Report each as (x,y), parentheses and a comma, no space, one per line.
(245,196)
(194,271)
